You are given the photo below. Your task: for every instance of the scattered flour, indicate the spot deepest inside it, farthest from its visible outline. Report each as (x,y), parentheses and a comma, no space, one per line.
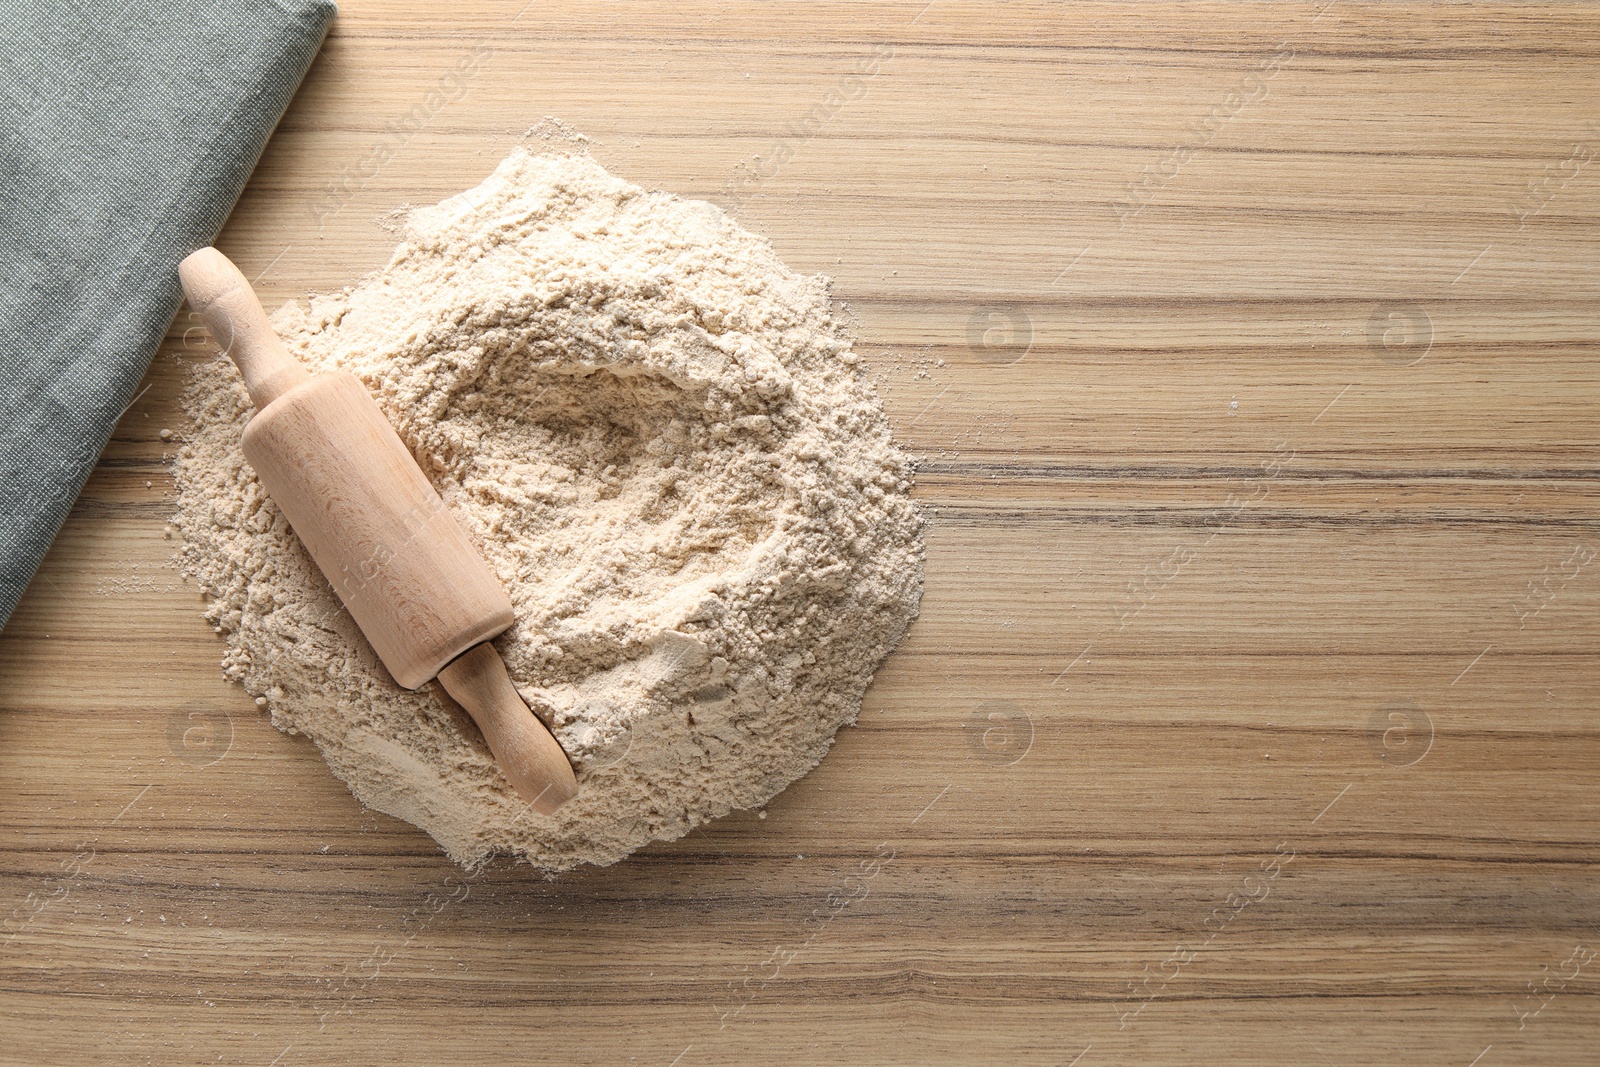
(660,439)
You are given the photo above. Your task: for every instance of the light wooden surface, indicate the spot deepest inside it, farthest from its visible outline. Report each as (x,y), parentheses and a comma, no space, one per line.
(1251,717)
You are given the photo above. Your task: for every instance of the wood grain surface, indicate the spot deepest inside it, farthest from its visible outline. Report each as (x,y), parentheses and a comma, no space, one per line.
(1251,716)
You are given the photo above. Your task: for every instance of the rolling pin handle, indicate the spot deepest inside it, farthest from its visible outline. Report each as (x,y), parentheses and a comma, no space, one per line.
(219,292)
(530,757)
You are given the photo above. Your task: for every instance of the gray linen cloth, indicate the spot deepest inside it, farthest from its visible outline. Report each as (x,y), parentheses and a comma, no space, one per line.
(128,128)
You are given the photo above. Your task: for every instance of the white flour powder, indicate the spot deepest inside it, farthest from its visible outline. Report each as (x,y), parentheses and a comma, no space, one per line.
(659,438)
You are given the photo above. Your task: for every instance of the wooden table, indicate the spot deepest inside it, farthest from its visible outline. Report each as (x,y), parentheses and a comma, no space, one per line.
(1251,714)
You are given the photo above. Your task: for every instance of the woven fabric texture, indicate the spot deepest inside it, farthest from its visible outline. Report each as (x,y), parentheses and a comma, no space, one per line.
(128,128)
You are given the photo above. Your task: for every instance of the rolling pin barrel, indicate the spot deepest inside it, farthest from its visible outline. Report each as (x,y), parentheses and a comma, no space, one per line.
(410,577)
(384,539)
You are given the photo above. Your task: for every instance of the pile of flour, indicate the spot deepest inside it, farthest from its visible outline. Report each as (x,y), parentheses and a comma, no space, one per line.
(661,441)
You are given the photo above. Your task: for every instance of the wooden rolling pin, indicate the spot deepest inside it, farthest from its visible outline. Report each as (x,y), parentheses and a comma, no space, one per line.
(408,575)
